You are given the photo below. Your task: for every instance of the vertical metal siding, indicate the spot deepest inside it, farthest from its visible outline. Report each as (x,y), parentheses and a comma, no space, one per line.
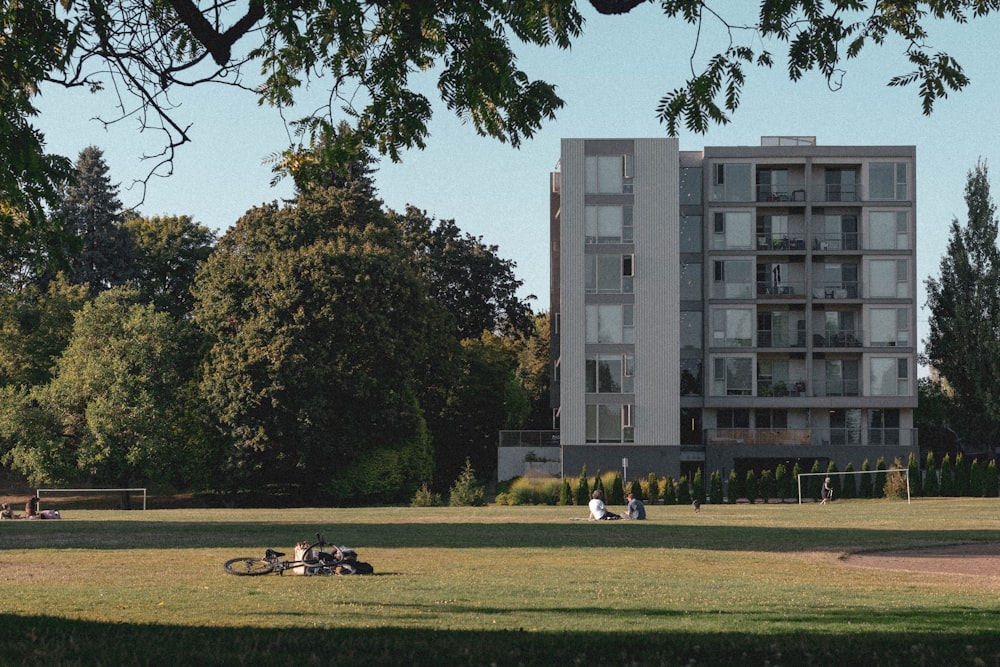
(573,316)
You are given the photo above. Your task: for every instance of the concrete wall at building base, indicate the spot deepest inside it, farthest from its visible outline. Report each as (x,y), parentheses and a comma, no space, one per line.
(520,461)
(642,460)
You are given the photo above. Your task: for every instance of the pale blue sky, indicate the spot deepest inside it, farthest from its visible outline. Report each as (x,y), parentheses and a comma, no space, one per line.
(611,81)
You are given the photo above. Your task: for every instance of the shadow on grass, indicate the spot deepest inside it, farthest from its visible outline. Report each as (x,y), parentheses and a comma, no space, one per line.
(252,537)
(42,640)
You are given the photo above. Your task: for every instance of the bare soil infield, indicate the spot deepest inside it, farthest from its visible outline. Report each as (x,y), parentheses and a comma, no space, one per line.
(978,559)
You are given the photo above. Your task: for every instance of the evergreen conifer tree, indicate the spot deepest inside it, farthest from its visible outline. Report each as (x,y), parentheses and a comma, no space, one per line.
(652,488)
(961,486)
(916,483)
(669,491)
(848,482)
(836,481)
(582,489)
(683,491)
(992,482)
(947,477)
(565,494)
(698,487)
(715,492)
(865,481)
(878,486)
(932,486)
(751,489)
(815,482)
(617,495)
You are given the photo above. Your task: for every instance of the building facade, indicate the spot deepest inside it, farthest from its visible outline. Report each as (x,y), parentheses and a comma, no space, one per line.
(734,308)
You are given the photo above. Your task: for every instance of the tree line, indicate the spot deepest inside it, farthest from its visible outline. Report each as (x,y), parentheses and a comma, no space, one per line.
(323,349)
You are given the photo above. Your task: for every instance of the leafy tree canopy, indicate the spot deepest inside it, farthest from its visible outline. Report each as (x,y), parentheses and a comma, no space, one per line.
(365,52)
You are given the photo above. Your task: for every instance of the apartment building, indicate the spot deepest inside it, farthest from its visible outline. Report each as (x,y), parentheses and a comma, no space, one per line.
(732,308)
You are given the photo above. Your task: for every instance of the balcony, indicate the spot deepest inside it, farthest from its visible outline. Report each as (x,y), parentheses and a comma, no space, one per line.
(780,388)
(780,242)
(780,193)
(784,289)
(844,289)
(529,438)
(842,192)
(845,338)
(836,241)
(758,436)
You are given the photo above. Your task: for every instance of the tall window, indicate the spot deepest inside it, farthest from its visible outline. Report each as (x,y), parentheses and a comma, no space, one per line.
(772,377)
(840,232)
(690,377)
(841,279)
(732,279)
(890,278)
(610,323)
(771,231)
(609,274)
(610,423)
(774,329)
(888,230)
(890,376)
(840,329)
(732,327)
(887,181)
(691,329)
(691,178)
(732,376)
(772,185)
(731,182)
(732,230)
(889,326)
(845,427)
(608,224)
(610,373)
(840,185)
(842,377)
(608,174)
(883,427)
(691,282)
(691,233)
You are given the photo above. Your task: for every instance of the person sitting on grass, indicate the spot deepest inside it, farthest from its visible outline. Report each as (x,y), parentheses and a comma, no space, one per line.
(598,511)
(636,509)
(31,508)
(6,514)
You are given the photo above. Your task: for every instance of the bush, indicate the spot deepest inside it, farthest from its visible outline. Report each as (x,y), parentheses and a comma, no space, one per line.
(617,495)
(582,489)
(835,481)
(865,481)
(796,471)
(849,484)
(977,479)
(669,491)
(895,482)
(947,477)
(466,491)
(735,490)
(782,482)
(992,482)
(565,494)
(766,486)
(652,489)
(425,498)
(715,488)
(683,491)
(931,485)
(878,487)
(751,489)
(962,486)
(698,487)
(815,482)
(635,488)
(535,491)
(916,483)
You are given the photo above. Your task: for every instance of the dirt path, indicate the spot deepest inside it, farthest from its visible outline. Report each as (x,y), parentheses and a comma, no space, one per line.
(981,559)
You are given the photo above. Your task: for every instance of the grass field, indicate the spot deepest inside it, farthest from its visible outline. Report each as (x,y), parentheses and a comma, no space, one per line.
(733,585)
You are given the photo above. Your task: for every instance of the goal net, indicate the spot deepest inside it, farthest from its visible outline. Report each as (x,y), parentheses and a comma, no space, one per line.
(899,471)
(92,498)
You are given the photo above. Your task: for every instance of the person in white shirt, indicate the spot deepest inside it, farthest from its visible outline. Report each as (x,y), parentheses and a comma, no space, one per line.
(597,509)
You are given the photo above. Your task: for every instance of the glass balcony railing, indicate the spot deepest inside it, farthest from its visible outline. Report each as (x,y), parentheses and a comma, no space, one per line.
(822,436)
(784,192)
(842,338)
(780,242)
(835,241)
(772,289)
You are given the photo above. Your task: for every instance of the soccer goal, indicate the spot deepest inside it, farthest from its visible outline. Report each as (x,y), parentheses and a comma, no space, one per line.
(39,492)
(904,471)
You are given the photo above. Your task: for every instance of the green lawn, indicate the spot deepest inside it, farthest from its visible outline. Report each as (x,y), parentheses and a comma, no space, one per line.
(740,585)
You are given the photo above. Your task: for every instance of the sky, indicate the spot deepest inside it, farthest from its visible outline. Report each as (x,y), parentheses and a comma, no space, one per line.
(611,81)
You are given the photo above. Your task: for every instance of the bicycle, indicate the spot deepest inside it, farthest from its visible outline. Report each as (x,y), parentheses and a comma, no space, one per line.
(340,560)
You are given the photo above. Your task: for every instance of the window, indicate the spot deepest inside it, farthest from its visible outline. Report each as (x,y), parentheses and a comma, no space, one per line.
(772,185)
(731,182)
(610,423)
(845,427)
(887,181)
(691,282)
(888,230)
(889,278)
(608,174)
(608,224)
(840,280)
(732,327)
(842,377)
(883,427)
(732,418)
(609,274)
(773,329)
(840,185)
(691,233)
(772,377)
(691,426)
(890,376)
(732,230)
(610,323)
(690,377)
(732,279)
(770,418)
(691,329)
(610,373)
(691,186)
(771,231)
(890,326)
(840,232)
(839,328)
(772,278)
(732,376)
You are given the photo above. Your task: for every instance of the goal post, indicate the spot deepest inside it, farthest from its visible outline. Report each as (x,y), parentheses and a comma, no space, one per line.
(904,471)
(39,492)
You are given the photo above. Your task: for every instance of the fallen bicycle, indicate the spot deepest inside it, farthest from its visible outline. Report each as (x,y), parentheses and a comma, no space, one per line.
(317,558)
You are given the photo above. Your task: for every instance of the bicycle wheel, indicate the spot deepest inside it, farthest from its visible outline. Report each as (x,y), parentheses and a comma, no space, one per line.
(248,567)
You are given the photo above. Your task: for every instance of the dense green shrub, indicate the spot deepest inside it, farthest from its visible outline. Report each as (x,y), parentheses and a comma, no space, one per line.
(992,482)
(848,483)
(796,471)
(698,487)
(865,481)
(424,497)
(878,486)
(947,477)
(582,494)
(781,481)
(916,483)
(750,489)
(565,493)
(977,479)
(895,482)
(535,491)
(735,489)
(669,491)
(931,485)
(766,486)
(599,485)
(466,491)
(635,488)
(815,482)
(715,488)
(683,491)
(962,485)
(617,494)
(652,488)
